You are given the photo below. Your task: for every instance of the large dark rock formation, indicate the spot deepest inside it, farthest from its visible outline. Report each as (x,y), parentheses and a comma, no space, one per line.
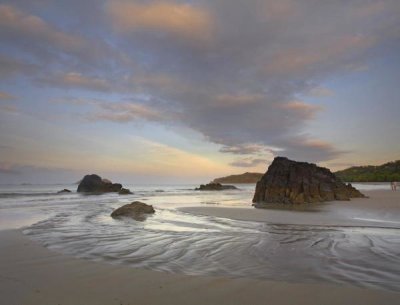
(136,210)
(288,181)
(215,187)
(94,184)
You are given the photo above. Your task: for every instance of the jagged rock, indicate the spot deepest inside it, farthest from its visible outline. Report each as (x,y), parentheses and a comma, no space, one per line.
(64,191)
(124,191)
(136,210)
(94,184)
(288,181)
(215,187)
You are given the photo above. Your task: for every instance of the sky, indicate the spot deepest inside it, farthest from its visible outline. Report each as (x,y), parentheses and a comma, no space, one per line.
(168,91)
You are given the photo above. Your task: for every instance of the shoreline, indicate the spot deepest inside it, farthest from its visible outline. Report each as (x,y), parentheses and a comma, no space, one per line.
(356,212)
(33,275)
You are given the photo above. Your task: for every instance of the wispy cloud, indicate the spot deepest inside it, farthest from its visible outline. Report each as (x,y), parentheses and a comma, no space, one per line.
(125,112)
(312,150)
(183,20)
(18,26)
(48,45)
(76,80)
(75,101)
(249,162)
(11,67)
(244,149)
(302,109)
(227,100)
(6,96)
(8,169)
(8,108)
(320,92)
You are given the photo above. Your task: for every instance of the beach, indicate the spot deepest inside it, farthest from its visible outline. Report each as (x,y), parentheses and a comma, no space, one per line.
(215,250)
(31,274)
(380,209)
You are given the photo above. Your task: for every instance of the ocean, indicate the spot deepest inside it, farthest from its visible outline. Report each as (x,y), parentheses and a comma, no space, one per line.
(179,242)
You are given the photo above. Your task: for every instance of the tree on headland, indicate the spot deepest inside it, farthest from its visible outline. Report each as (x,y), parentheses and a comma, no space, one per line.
(383,173)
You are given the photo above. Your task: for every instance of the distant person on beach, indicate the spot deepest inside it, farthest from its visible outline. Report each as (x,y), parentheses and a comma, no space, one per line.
(393,185)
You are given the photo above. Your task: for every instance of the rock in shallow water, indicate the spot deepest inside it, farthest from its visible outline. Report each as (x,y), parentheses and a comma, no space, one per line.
(124,191)
(215,187)
(288,181)
(64,191)
(95,184)
(136,210)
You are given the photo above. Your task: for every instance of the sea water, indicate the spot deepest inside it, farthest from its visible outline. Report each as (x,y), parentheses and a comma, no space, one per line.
(178,242)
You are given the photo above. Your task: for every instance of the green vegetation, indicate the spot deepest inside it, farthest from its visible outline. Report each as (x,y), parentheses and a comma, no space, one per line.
(383,173)
(243,178)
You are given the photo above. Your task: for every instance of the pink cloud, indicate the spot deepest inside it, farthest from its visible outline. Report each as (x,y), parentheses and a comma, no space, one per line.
(6,96)
(33,27)
(302,109)
(300,60)
(184,20)
(125,112)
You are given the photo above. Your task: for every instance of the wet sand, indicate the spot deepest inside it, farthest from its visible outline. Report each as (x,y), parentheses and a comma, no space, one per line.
(33,275)
(381,209)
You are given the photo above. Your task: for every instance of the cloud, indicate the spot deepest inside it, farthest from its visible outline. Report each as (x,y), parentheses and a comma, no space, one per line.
(302,109)
(183,20)
(15,173)
(321,92)
(244,149)
(125,112)
(280,10)
(6,96)
(227,100)
(7,108)
(304,148)
(237,86)
(242,89)
(249,162)
(339,165)
(17,25)
(44,43)
(138,83)
(76,80)
(11,67)
(8,169)
(75,101)
(311,58)
(370,9)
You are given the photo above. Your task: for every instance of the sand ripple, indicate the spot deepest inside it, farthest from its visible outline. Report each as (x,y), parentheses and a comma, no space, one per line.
(174,241)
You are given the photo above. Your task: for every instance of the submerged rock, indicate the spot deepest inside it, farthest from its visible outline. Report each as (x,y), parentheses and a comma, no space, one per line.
(95,184)
(124,191)
(64,191)
(136,210)
(288,181)
(215,187)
